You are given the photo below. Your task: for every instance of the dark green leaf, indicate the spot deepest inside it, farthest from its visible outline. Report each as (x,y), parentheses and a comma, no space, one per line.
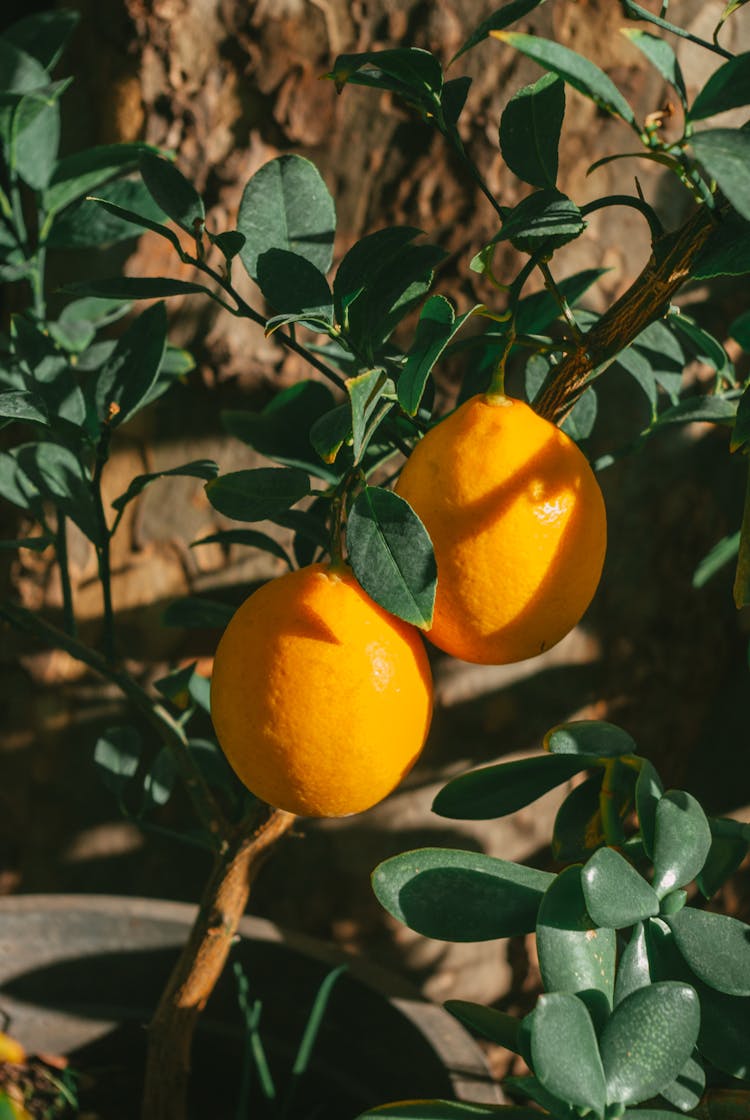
(616,895)
(49,372)
(43,34)
(545,218)
(511,11)
(175,684)
(686,1090)
(634,967)
(130,372)
(132,218)
(741,431)
(134,287)
(281,431)
(81,172)
(660,54)
(725,856)
(648,793)
(446,1110)
(365,393)
(159,781)
(15,485)
(574,955)
(329,432)
(117,754)
(200,468)
(392,291)
(251,538)
(530,1088)
(497,1026)
(577,71)
(724,154)
(36,125)
(437,326)
(579,423)
(589,737)
(364,261)
(717,948)
(564,1051)
(739,330)
(198,614)
(496,791)
(530,131)
(741,590)
(453,99)
(294,286)
(648,1040)
(535,313)
(60,477)
(86,224)
(497,898)
(725,1031)
(20,70)
(726,251)
(682,839)
(20,404)
(705,347)
(723,551)
(392,555)
(172,192)
(727,88)
(286,205)
(254,495)
(228,243)
(35,544)
(310,528)
(412,73)
(578,826)
(635,11)
(711,409)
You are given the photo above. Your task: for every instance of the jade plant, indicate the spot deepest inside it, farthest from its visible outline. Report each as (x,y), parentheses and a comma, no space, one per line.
(645,1008)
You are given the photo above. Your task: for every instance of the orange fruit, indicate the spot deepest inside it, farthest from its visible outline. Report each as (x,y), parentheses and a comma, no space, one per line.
(518,524)
(321,700)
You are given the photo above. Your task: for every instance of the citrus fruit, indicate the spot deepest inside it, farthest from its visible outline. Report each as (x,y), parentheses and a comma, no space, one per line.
(518,524)
(321,700)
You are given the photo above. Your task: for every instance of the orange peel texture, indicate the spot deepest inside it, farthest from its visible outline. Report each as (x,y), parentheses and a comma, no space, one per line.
(518,524)
(321,700)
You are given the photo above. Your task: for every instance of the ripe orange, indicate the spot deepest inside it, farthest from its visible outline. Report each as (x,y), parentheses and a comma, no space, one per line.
(518,524)
(321,700)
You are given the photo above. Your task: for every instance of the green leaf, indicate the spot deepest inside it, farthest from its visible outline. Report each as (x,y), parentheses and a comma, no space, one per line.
(199,468)
(281,431)
(310,528)
(711,409)
(574,955)
(682,840)
(175,684)
(723,551)
(365,392)
(648,1040)
(228,243)
(511,11)
(616,894)
(198,614)
(579,423)
(634,967)
(564,1051)
(724,858)
(446,1110)
(589,737)
(35,544)
(497,1026)
(495,791)
(255,495)
(648,794)
(530,131)
(15,485)
(741,590)
(330,432)
(172,192)
(89,223)
(739,330)
(725,1031)
(140,220)
(726,251)
(49,373)
(577,71)
(727,88)
(130,372)
(717,948)
(159,780)
(705,347)
(134,287)
(286,205)
(391,555)
(662,57)
(410,72)
(20,404)
(117,754)
(741,432)
(686,1091)
(80,173)
(437,326)
(530,1088)
(36,128)
(578,827)
(59,476)
(545,218)
(21,71)
(294,286)
(498,899)
(537,312)
(251,538)
(43,34)
(362,264)
(724,154)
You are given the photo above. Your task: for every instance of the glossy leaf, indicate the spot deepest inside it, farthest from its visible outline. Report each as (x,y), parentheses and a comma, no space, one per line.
(254,495)
(392,556)
(159,781)
(578,825)
(281,430)
(564,1051)
(142,221)
(545,218)
(705,347)
(20,404)
(330,432)
(711,409)
(172,192)
(80,173)
(634,966)
(200,468)
(362,263)
(511,11)
(717,948)
(295,287)
(497,1026)
(117,754)
(412,73)
(498,898)
(193,613)
(725,1031)
(574,955)
(648,1040)
(129,374)
(365,392)
(591,737)
(616,894)
(727,88)
(135,287)
(530,131)
(682,840)
(727,250)
(286,205)
(250,538)
(576,70)
(530,1088)
(21,71)
(725,856)
(97,222)
(496,791)
(661,55)
(686,1091)
(724,154)
(579,423)
(437,326)
(43,35)
(36,124)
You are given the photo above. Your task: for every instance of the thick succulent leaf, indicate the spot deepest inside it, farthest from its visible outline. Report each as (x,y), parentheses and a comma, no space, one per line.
(682,841)
(446,1110)
(564,1051)
(634,968)
(497,1026)
(578,825)
(589,737)
(686,1091)
(717,948)
(496,791)
(497,898)
(616,894)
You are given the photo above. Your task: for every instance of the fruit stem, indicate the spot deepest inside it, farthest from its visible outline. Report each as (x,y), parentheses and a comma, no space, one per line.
(496,390)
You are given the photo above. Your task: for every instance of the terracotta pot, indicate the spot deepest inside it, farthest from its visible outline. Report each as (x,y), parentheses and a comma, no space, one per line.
(80,976)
